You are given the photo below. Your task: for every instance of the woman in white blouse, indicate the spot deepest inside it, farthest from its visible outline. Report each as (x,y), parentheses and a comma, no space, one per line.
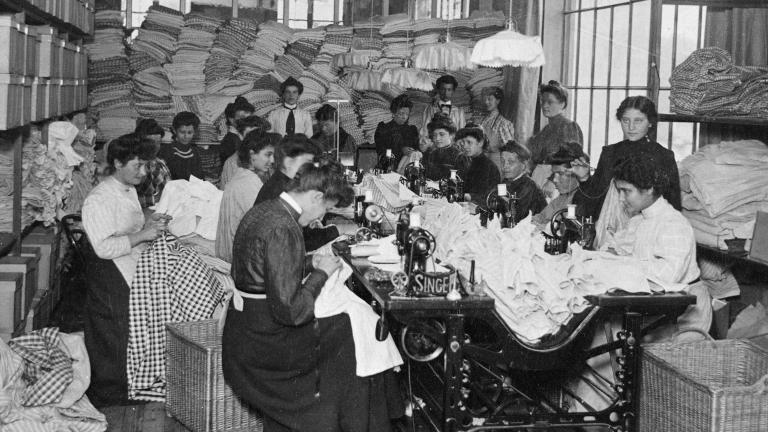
(117,231)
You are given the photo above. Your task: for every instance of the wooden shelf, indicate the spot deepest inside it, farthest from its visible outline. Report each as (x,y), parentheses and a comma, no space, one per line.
(7,241)
(744,121)
(37,16)
(726,4)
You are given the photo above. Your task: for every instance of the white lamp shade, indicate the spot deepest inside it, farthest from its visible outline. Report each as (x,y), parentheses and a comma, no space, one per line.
(442,56)
(407,78)
(508,48)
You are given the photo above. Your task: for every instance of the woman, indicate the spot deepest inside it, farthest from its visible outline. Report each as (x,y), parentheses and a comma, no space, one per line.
(530,199)
(565,180)
(296,369)
(116,229)
(498,129)
(256,156)
(638,116)
(151,188)
(559,129)
(442,154)
(327,119)
(481,175)
(244,126)
(397,135)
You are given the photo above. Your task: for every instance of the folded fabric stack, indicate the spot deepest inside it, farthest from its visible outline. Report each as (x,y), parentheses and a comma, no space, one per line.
(487,23)
(478,80)
(6,193)
(708,83)
(259,59)
(152,95)
(374,108)
(348,116)
(305,45)
(160,45)
(204,23)
(231,42)
(164,19)
(107,43)
(723,186)
(187,72)
(263,101)
(338,39)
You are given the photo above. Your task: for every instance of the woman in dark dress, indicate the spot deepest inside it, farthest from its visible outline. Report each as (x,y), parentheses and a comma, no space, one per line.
(397,135)
(638,116)
(481,175)
(298,370)
(530,199)
(442,155)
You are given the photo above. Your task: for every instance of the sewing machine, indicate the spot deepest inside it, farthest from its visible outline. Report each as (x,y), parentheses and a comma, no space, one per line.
(388,163)
(413,177)
(568,228)
(452,188)
(468,371)
(500,204)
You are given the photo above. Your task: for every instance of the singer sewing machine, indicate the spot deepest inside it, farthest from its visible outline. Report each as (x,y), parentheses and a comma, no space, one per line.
(451,188)
(368,216)
(500,204)
(567,228)
(468,371)
(413,177)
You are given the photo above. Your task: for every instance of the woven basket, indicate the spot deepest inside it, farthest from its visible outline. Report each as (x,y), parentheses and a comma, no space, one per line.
(196,394)
(713,386)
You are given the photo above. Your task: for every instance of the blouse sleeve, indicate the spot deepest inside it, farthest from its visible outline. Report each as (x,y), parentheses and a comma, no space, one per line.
(291,301)
(99,223)
(572,133)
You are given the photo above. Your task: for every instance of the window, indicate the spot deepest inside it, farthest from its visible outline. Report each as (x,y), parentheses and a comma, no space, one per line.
(139,10)
(607,58)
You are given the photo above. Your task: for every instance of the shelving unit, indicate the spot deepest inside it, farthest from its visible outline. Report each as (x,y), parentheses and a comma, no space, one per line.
(741,121)
(45,77)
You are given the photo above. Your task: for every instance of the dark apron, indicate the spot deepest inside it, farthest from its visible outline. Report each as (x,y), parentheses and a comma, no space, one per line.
(106,330)
(303,378)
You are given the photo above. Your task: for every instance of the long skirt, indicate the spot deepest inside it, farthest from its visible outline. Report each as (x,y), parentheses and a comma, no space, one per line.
(106,330)
(303,378)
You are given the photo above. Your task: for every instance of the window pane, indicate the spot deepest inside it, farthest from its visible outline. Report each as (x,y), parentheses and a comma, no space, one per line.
(297,10)
(667,43)
(143,5)
(396,6)
(587,4)
(257,10)
(687,32)
(663,101)
(620,46)
(602,46)
(585,49)
(423,9)
(614,127)
(323,10)
(597,140)
(137,19)
(641,17)
(572,23)
(581,105)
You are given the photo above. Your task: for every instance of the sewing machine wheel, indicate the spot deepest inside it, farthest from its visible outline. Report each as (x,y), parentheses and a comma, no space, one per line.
(365,234)
(557,224)
(492,200)
(400,282)
(420,340)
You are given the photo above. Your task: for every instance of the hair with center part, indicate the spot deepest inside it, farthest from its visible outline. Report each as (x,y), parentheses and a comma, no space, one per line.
(293,146)
(559,91)
(292,82)
(255,142)
(474,131)
(495,92)
(522,152)
(325,179)
(127,148)
(567,153)
(252,121)
(402,101)
(644,172)
(640,103)
(146,127)
(325,113)
(441,121)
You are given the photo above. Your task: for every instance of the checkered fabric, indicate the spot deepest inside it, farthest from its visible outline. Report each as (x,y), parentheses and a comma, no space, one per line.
(47,368)
(172,284)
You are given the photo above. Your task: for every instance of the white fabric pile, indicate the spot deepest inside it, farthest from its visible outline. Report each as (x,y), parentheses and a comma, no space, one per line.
(194,206)
(723,186)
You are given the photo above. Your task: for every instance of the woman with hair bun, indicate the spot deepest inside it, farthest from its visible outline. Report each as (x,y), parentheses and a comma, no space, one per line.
(481,174)
(442,155)
(498,130)
(559,129)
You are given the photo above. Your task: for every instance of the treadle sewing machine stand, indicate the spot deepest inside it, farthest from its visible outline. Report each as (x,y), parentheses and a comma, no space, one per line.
(446,405)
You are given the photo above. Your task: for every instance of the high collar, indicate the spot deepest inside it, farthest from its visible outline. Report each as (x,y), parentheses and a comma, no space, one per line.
(289,106)
(233,130)
(292,204)
(655,209)
(122,186)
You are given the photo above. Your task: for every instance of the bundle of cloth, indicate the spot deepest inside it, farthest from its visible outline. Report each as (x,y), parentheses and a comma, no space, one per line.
(43,378)
(194,206)
(723,187)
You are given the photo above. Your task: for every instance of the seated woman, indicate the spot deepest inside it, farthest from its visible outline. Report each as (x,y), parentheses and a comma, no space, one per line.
(296,369)
(481,176)
(151,188)
(565,180)
(117,231)
(292,153)
(256,156)
(442,154)
(530,199)
(397,135)
(327,120)
(244,126)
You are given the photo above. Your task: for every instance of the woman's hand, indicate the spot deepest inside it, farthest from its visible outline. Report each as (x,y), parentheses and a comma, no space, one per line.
(326,263)
(155,226)
(580,168)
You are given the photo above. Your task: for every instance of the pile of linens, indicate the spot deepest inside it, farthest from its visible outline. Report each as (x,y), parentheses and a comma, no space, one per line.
(723,186)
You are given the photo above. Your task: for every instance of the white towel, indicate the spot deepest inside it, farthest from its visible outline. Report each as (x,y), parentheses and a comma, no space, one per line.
(371,355)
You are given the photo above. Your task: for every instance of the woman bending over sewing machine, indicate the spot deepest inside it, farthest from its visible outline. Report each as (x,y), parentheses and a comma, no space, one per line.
(514,162)
(442,154)
(298,370)
(565,181)
(637,115)
(481,176)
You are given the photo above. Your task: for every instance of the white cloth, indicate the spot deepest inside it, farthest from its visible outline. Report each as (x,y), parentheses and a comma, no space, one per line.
(372,356)
(279,116)
(194,206)
(111,212)
(238,198)
(61,135)
(662,239)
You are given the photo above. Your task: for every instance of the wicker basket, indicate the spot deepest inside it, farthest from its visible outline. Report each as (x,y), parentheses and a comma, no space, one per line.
(196,394)
(713,386)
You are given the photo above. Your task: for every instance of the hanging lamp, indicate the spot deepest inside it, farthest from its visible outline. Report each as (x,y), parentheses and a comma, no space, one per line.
(448,56)
(509,48)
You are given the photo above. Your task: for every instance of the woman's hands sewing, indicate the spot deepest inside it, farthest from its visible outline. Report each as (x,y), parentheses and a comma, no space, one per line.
(326,263)
(154,227)
(580,168)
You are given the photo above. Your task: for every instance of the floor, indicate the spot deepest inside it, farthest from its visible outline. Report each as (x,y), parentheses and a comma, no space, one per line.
(150,417)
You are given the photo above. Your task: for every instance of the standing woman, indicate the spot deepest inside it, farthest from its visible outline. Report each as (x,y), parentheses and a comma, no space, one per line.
(558,131)
(397,135)
(498,129)
(117,231)
(638,116)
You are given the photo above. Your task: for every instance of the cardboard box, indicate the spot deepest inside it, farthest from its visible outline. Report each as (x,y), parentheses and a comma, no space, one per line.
(11,300)
(12,44)
(28,266)
(11,101)
(40,313)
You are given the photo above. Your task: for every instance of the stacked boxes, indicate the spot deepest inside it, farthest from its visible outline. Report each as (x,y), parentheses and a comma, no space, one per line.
(26,265)
(11,292)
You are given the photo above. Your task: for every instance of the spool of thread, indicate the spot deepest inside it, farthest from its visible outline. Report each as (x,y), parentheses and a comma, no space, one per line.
(453,174)
(368,195)
(501,189)
(389,153)
(415,220)
(571,214)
